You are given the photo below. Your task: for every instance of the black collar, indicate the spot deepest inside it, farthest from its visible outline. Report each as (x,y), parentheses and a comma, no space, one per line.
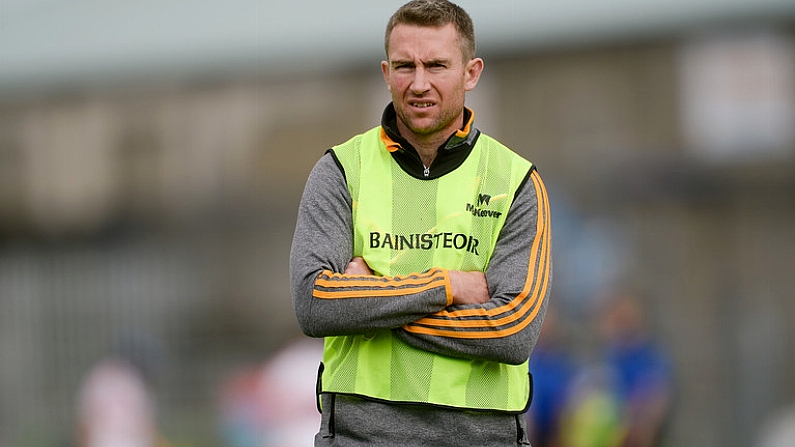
(450,155)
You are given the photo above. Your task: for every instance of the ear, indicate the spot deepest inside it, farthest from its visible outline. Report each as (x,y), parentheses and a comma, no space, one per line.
(472,73)
(385,71)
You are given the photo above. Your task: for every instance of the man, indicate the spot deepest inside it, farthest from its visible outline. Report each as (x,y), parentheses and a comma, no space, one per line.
(115,407)
(642,376)
(554,370)
(422,255)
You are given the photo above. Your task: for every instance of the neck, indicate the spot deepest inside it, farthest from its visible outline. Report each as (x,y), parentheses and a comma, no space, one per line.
(427,146)
(427,149)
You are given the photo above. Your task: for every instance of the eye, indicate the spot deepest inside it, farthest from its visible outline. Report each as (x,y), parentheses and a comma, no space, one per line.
(403,67)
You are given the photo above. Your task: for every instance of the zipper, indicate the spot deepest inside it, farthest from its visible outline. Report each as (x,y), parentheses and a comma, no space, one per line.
(427,171)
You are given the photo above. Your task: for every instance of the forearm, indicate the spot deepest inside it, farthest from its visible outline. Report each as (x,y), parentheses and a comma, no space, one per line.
(345,304)
(327,301)
(506,327)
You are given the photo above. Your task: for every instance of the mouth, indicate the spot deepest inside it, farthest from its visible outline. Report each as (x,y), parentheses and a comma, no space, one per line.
(421,104)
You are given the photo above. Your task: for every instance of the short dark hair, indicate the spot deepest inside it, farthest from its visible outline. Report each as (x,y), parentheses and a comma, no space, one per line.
(435,13)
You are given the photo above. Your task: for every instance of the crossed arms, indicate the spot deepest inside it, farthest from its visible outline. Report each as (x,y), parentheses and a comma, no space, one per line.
(494,315)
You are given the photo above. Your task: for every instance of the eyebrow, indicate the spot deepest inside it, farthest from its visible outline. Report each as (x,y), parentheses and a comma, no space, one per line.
(399,62)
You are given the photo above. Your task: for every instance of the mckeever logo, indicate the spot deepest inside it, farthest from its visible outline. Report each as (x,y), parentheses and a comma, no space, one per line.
(483,199)
(479,211)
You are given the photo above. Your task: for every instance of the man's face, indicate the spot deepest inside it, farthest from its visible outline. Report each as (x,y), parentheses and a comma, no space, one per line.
(428,79)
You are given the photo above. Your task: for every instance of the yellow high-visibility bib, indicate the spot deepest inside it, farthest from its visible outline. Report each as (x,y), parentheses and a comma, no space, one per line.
(401,225)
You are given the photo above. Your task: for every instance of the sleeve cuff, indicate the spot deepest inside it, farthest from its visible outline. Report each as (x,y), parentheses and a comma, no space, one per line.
(448,288)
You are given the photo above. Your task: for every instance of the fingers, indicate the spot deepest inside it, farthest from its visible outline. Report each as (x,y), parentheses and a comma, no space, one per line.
(469,287)
(358,266)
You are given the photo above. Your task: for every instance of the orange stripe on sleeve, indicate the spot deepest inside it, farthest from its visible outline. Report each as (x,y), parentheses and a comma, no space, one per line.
(525,301)
(340,286)
(331,280)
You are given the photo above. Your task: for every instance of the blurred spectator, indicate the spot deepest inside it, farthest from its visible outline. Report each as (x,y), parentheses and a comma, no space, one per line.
(115,408)
(639,368)
(274,405)
(243,409)
(553,370)
(592,415)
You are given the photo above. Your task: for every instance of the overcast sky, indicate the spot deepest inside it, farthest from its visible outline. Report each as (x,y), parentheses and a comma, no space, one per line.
(44,41)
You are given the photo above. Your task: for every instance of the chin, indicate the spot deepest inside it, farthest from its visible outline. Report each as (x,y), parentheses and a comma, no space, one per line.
(424,126)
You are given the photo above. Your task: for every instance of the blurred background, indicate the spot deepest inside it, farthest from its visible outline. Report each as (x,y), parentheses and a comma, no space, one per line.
(153,153)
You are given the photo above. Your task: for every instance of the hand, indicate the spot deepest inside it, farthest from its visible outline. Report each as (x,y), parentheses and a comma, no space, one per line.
(358,266)
(469,287)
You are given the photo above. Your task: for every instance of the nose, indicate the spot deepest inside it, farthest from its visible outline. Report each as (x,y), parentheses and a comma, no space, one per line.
(420,83)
